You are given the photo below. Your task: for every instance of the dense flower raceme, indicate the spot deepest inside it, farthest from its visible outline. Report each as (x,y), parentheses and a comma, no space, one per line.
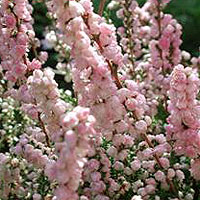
(164,46)
(67,170)
(59,151)
(17,38)
(71,133)
(135,32)
(184,121)
(16,32)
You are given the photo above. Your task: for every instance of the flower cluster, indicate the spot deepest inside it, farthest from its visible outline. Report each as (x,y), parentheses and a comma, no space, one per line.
(16,30)
(68,168)
(184,121)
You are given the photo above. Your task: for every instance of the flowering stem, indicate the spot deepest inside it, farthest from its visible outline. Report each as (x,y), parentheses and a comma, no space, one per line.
(128,23)
(159,31)
(112,68)
(156,157)
(34,49)
(44,130)
(114,74)
(159,18)
(101,6)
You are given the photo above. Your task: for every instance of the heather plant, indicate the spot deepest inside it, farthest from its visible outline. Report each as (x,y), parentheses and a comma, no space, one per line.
(92,111)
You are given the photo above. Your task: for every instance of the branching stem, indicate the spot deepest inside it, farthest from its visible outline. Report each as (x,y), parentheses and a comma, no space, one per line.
(101,7)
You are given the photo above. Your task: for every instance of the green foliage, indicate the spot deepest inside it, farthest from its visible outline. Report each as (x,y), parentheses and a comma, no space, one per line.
(128,195)
(173,159)
(105,144)
(165,194)
(44,185)
(162,113)
(12,121)
(67,98)
(40,19)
